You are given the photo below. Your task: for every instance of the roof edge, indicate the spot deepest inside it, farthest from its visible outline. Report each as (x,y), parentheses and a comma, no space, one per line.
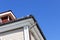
(38,27)
(27,17)
(8,11)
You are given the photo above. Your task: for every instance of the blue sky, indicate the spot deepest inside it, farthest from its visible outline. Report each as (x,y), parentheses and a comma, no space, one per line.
(46,12)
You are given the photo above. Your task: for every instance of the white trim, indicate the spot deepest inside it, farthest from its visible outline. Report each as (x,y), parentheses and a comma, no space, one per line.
(8,18)
(36,33)
(15,25)
(31,27)
(26,33)
(8,13)
(0,20)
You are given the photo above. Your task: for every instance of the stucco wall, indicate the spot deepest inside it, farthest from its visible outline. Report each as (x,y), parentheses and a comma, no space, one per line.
(12,35)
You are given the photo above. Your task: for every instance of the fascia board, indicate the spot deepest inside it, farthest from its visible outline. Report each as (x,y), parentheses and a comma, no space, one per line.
(31,22)
(7,13)
(15,25)
(34,30)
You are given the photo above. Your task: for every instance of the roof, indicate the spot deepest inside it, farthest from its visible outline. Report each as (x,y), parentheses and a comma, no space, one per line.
(8,13)
(24,18)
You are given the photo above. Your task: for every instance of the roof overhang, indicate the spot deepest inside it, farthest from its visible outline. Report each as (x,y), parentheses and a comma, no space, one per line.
(8,13)
(29,21)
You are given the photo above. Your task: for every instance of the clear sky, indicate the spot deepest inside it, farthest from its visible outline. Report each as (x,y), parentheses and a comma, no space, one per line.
(46,12)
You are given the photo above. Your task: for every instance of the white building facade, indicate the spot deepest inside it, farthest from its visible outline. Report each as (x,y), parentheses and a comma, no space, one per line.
(25,28)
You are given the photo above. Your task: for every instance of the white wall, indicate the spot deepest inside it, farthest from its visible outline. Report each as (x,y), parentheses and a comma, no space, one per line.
(12,35)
